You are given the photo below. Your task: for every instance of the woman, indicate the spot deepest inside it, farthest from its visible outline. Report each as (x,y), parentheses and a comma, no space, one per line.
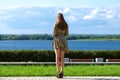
(60,43)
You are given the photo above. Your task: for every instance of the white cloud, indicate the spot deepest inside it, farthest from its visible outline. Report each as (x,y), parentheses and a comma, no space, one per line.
(92,14)
(88,17)
(94,11)
(6,17)
(5,29)
(30,13)
(100,13)
(11,7)
(65,10)
(22,14)
(44,23)
(110,14)
(71,18)
(38,19)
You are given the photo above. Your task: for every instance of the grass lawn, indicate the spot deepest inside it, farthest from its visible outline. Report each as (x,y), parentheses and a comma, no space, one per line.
(50,70)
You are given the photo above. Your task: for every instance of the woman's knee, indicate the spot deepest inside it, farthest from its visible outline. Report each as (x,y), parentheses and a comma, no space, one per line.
(62,53)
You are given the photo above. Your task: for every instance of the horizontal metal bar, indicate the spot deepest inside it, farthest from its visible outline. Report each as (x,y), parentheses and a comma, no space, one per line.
(47,63)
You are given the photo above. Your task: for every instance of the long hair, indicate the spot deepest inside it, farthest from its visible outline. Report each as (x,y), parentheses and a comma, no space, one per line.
(60,22)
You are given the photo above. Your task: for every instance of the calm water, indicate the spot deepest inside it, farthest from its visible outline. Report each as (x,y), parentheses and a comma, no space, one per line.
(47,45)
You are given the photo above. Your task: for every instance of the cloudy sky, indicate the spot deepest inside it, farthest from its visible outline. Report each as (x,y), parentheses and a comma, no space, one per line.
(38,16)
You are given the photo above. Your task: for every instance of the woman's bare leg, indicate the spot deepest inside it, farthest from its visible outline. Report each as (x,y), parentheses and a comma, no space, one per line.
(62,60)
(57,53)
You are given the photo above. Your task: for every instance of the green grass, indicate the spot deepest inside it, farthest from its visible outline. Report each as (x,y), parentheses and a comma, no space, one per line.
(50,70)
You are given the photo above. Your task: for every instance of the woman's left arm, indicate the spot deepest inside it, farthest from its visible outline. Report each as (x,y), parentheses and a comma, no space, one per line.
(66,31)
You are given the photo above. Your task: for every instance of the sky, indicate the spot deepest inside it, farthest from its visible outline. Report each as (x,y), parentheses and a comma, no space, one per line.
(38,16)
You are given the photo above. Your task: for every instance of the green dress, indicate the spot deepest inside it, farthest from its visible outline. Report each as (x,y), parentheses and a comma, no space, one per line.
(59,40)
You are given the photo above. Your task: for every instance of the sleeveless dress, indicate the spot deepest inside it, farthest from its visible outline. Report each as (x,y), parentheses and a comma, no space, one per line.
(59,40)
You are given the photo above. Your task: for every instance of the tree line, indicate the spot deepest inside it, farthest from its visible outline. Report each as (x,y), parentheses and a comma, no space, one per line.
(50,37)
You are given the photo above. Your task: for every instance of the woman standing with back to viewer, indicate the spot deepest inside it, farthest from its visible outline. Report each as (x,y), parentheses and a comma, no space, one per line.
(60,43)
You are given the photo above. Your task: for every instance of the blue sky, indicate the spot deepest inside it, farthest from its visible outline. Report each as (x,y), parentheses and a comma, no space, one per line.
(38,16)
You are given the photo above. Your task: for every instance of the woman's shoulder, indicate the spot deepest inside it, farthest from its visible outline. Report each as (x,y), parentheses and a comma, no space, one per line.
(55,25)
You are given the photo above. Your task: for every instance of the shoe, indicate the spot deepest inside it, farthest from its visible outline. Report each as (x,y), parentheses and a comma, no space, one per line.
(58,75)
(61,74)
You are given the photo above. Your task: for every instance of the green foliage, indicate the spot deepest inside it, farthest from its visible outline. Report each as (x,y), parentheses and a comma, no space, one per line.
(49,55)
(26,55)
(26,37)
(70,37)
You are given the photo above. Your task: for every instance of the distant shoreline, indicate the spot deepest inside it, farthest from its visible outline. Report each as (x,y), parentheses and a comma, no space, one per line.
(68,40)
(97,40)
(77,37)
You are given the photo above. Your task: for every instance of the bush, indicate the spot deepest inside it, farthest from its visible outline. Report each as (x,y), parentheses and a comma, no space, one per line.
(26,55)
(49,55)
